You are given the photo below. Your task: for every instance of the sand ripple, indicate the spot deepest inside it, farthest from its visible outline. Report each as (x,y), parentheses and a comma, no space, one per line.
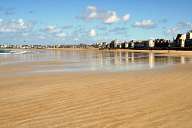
(154,99)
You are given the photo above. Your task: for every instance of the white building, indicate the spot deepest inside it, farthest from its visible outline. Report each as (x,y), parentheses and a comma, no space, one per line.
(126,44)
(151,43)
(117,44)
(132,44)
(182,40)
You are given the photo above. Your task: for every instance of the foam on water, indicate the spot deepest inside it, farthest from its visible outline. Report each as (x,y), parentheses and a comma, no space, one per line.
(12,52)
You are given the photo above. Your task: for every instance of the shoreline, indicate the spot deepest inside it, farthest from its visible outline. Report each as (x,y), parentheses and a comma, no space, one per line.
(165,52)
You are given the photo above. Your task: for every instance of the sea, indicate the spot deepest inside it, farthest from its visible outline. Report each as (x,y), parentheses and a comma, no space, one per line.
(8,52)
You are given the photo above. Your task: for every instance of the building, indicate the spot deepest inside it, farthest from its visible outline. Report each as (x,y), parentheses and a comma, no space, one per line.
(119,45)
(189,35)
(176,41)
(112,44)
(115,44)
(125,44)
(140,44)
(151,44)
(180,40)
(161,43)
(145,44)
(188,41)
(132,44)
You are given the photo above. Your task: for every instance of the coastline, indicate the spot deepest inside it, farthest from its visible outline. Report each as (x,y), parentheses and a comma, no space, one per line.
(165,52)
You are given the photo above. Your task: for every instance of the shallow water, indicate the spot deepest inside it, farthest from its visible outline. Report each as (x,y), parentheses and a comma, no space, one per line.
(90,60)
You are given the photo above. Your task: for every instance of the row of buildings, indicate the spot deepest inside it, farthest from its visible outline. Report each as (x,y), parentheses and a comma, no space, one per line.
(139,44)
(183,41)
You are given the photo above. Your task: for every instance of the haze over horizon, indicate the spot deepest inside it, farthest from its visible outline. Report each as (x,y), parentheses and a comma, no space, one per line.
(77,21)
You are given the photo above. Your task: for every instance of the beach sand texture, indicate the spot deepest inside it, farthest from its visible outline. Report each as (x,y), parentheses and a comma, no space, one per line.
(140,99)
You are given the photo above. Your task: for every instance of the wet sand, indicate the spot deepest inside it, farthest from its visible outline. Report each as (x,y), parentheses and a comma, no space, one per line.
(167,52)
(139,99)
(164,52)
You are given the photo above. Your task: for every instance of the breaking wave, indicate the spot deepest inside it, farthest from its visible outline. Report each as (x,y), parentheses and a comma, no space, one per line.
(14,52)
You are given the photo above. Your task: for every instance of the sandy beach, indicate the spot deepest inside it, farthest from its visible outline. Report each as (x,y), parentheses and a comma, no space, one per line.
(139,99)
(95,64)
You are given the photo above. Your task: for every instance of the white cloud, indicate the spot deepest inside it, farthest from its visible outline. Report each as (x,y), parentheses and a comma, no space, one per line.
(40,37)
(181,27)
(52,29)
(118,30)
(126,17)
(92,8)
(23,30)
(25,34)
(173,31)
(15,25)
(61,35)
(92,33)
(53,32)
(147,24)
(112,18)
(92,13)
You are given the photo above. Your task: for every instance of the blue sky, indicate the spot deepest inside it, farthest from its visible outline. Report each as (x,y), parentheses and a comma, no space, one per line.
(87,21)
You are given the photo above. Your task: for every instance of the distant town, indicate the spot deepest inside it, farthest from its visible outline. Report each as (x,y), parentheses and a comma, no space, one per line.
(182,42)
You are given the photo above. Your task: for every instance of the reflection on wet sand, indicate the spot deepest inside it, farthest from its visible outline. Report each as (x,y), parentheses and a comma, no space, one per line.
(150,59)
(92,60)
(183,60)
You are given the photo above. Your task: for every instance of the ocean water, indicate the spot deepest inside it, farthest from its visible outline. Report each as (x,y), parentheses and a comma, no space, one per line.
(8,52)
(42,61)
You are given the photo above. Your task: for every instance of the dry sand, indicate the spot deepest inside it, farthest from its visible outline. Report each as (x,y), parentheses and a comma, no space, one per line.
(140,99)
